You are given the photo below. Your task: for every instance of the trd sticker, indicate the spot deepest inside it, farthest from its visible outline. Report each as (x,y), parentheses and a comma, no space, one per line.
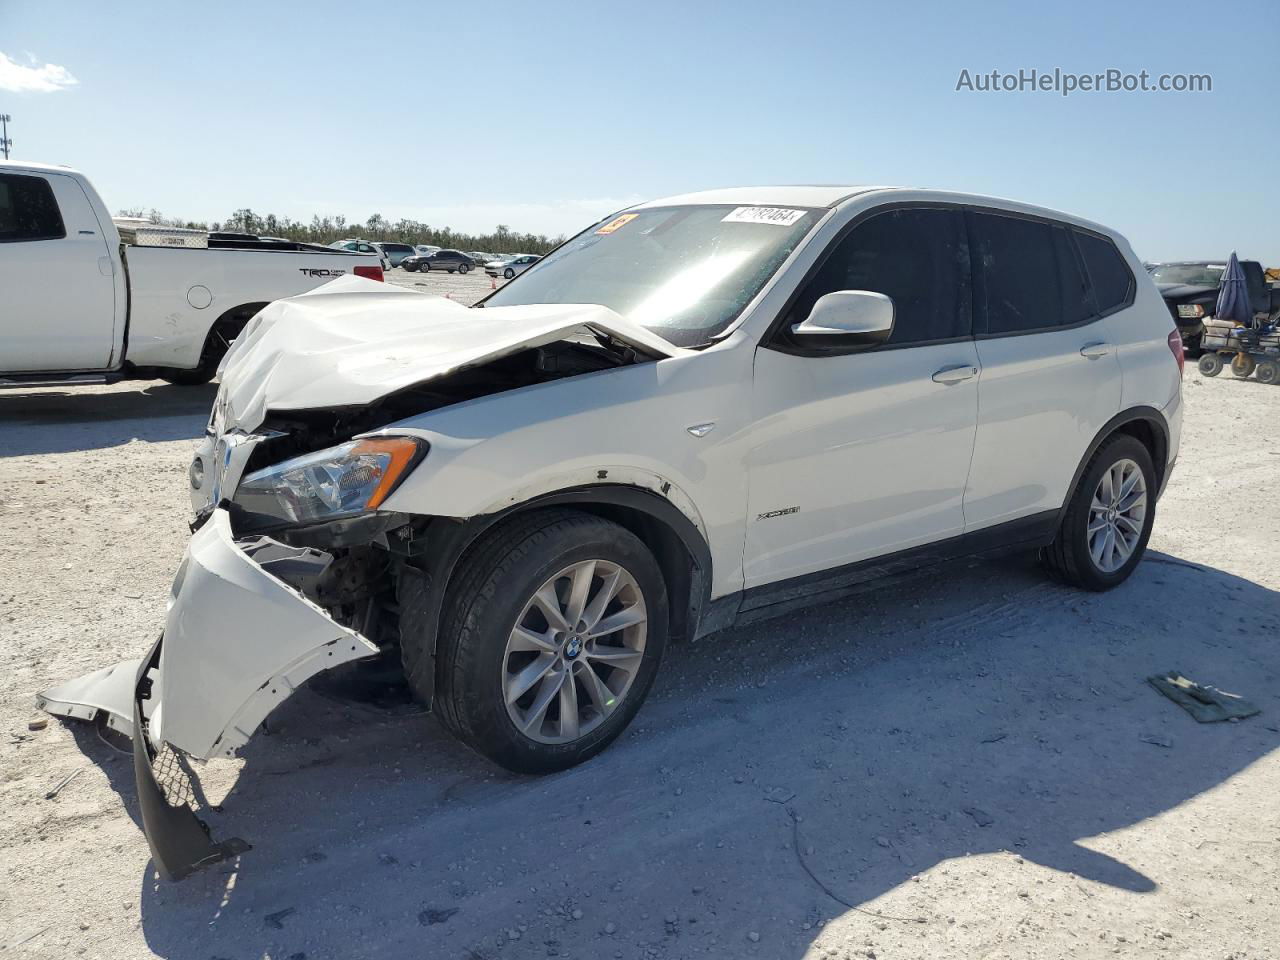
(320,272)
(777,513)
(616,223)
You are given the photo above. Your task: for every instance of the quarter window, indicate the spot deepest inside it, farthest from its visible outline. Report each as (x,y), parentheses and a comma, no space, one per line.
(1028,275)
(1112,281)
(28,210)
(918,258)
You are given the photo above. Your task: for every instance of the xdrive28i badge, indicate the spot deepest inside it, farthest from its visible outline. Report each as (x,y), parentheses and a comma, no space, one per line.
(777,513)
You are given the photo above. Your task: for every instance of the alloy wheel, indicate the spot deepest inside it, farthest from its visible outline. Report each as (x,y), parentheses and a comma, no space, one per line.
(1117,515)
(574,651)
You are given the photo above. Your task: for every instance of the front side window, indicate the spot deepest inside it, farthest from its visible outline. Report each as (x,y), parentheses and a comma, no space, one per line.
(682,272)
(916,257)
(1028,277)
(28,210)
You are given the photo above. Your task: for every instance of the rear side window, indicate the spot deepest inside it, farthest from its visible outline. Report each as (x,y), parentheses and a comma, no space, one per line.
(1112,281)
(28,210)
(1028,276)
(918,258)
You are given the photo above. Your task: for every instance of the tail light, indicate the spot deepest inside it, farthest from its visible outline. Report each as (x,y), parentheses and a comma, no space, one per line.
(1175,344)
(370,273)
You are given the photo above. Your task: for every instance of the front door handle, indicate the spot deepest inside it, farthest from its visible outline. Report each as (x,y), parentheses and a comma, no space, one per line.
(1095,350)
(950,375)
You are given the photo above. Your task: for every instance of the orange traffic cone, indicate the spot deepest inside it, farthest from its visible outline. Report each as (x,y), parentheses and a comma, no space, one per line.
(493,283)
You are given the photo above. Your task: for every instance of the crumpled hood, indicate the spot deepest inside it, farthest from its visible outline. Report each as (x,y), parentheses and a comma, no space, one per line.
(355,340)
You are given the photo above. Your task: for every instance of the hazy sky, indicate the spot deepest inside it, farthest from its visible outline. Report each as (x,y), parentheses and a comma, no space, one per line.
(546,115)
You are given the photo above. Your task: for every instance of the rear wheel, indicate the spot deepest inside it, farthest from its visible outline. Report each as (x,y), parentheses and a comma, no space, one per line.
(1107,523)
(215,348)
(553,632)
(1210,364)
(1242,365)
(1268,371)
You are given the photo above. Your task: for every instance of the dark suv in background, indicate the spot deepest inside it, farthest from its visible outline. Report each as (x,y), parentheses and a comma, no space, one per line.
(451,260)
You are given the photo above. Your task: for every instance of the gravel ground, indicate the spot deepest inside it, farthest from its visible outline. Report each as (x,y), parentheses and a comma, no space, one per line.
(966,766)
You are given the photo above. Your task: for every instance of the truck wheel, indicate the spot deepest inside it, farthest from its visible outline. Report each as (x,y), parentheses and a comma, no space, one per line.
(1107,523)
(1268,371)
(1242,365)
(216,345)
(551,638)
(1210,364)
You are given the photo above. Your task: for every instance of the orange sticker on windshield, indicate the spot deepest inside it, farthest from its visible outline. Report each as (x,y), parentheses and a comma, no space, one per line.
(617,223)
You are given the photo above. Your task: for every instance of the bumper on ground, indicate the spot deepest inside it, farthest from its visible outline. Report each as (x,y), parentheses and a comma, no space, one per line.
(237,642)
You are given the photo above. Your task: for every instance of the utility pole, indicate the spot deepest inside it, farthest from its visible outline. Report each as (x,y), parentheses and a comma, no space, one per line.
(5,142)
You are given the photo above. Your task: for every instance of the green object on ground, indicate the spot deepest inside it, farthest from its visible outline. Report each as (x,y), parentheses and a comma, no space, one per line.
(1206,704)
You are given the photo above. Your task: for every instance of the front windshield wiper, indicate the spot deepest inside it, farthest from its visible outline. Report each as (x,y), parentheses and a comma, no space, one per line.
(624,352)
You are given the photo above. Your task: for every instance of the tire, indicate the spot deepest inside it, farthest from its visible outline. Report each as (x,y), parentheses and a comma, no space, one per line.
(1210,364)
(215,348)
(508,274)
(1242,365)
(1268,371)
(411,267)
(1069,558)
(493,591)
(463,267)
(425,268)
(451,269)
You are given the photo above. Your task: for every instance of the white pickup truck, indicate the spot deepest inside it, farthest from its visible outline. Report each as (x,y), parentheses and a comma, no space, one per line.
(79,305)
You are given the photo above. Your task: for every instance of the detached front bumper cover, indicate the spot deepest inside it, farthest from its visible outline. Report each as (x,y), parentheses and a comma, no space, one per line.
(237,642)
(179,840)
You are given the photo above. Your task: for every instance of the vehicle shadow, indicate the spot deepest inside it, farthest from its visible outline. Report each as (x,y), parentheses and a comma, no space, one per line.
(782,775)
(94,419)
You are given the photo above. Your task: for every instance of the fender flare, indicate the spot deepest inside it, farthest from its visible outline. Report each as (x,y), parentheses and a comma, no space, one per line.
(1160,431)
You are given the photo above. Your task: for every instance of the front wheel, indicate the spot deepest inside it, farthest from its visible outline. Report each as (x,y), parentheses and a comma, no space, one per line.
(1242,365)
(463,267)
(508,273)
(554,630)
(1268,371)
(1210,364)
(1107,523)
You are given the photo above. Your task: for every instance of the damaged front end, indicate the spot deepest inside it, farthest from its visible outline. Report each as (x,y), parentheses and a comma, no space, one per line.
(295,564)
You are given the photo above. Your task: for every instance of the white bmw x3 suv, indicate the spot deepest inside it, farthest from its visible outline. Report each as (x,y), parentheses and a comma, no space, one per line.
(699,412)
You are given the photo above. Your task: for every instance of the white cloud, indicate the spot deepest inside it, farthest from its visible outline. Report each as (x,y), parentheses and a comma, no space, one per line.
(34,77)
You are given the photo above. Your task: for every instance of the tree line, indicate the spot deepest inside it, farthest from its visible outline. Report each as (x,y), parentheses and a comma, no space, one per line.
(502,239)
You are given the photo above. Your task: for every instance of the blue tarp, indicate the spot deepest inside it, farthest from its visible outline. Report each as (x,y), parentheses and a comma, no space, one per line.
(1233,295)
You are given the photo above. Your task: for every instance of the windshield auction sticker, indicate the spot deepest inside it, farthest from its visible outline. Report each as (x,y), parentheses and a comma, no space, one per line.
(617,222)
(779,216)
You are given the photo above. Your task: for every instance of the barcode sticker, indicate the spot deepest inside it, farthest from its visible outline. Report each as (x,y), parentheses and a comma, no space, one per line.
(779,216)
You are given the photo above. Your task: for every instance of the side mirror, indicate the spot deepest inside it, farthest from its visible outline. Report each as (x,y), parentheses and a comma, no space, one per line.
(847,318)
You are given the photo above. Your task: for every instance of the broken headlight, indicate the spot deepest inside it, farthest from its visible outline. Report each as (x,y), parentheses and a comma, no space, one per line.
(341,481)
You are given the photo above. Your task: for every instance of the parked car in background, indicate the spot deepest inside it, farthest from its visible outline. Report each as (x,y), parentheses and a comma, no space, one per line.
(362,246)
(87,299)
(454,261)
(396,252)
(479,256)
(396,476)
(425,248)
(1190,291)
(511,267)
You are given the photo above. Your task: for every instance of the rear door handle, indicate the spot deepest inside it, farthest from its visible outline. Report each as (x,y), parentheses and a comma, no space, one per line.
(1095,350)
(950,375)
